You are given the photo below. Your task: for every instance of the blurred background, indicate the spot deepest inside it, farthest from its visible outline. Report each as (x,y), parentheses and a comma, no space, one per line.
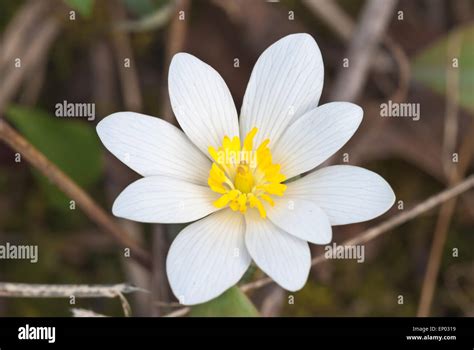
(115,54)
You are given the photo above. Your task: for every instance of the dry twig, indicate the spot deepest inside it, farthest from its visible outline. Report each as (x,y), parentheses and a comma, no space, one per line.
(372,233)
(128,75)
(454,175)
(133,101)
(343,26)
(176,37)
(330,12)
(26,290)
(34,52)
(370,30)
(388,225)
(71,189)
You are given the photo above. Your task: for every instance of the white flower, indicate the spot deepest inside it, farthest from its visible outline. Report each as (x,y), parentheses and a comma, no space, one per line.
(229,174)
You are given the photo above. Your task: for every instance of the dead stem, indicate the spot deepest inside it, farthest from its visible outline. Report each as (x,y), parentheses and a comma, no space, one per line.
(371,233)
(73,191)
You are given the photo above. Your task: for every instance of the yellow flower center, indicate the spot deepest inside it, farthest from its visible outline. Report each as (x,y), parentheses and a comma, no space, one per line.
(243,176)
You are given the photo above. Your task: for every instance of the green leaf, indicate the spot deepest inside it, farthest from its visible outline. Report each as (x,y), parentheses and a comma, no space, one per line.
(232,302)
(139,7)
(430,66)
(83,6)
(153,20)
(70,144)
(142,8)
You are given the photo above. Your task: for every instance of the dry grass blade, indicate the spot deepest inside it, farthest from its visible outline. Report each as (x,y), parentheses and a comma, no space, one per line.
(27,290)
(454,175)
(78,312)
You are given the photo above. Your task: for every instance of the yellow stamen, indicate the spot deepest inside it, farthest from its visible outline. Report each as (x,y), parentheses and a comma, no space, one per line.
(226,198)
(245,177)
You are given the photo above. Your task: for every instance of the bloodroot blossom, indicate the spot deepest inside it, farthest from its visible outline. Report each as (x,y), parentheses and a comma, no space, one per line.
(233,174)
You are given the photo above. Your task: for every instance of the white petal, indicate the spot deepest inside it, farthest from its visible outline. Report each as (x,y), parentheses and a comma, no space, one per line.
(165,200)
(151,146)
(201,102)
(346,193)
(301,218)
(316,136)
(285,258)
(286,82)
(208,257)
